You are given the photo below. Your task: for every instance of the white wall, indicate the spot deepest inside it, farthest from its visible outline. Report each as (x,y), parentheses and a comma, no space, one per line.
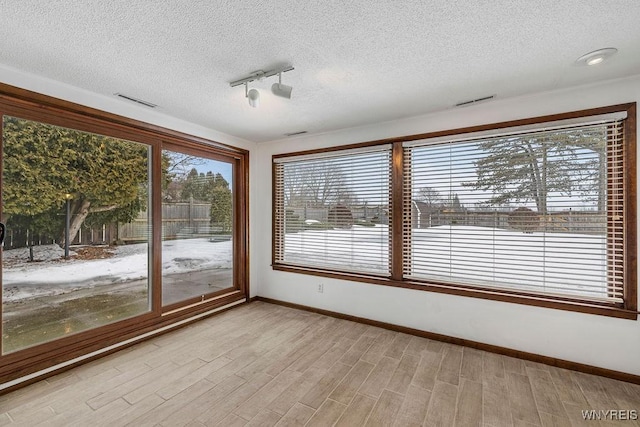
(594,340)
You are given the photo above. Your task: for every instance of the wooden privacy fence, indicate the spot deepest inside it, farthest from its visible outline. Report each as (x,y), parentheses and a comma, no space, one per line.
(578,222)
(378,213)
(192,218)
(19,238)
(179,220)
(570,221)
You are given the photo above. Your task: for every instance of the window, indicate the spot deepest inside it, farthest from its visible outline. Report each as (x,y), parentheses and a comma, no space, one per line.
(526,210)
(197,238)
(332,210)
(539,211)
(51,174)
(114,229)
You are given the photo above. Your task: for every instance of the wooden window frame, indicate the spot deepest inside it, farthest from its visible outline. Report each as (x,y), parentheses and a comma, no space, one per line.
(626,310)
(29,105)
(279,203)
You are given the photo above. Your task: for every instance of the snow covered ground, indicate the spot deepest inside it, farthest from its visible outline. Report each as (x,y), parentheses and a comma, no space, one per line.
(547,262)
(358,248)
(53,276)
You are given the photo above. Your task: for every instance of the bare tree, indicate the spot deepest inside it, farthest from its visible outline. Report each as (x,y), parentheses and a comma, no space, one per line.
(430,196)
(180,164)
(316,185)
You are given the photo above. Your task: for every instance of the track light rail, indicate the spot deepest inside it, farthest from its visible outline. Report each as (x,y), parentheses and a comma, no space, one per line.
(260,75)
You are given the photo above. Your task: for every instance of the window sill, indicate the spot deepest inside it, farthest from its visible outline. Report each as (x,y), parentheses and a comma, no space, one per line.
(557,303)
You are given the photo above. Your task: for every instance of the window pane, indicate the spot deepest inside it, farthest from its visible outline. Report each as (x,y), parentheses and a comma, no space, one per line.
(101,185)
(526,212)
(334,212)
(197,226)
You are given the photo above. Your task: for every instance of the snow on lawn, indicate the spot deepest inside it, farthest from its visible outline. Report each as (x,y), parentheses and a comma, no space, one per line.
(357,248)
(40,253)
(547,262)
(53,276)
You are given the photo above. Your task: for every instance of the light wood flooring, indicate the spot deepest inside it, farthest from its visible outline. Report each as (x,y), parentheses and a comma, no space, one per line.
(262,365)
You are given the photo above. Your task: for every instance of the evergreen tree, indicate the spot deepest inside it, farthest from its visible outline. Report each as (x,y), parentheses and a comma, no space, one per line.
(531,167)
(222,208)
(106,176)
(200,186)
(214,189)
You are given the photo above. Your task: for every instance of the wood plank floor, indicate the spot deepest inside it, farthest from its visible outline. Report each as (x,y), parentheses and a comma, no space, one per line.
(264,365)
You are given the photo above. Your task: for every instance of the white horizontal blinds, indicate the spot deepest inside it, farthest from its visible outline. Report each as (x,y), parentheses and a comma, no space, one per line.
(411,213)
(615,203)
(278,212)
(527,212)
(333,210)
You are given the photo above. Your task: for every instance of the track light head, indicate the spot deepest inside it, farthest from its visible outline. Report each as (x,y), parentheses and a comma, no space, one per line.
(252,95)
(254,98)
(281,90)
(284,91)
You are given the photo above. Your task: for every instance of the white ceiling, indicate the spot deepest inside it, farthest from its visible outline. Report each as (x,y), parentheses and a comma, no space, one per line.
(356,62)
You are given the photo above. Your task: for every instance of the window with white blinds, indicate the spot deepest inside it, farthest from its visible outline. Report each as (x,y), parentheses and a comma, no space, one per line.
(534,210)
(539,211)
(332,210)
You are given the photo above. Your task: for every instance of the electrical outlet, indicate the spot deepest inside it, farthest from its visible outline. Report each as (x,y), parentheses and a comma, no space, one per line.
(320,288)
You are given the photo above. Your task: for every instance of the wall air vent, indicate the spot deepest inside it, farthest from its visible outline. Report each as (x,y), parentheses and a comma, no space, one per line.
(295,133)
(136,100)
(474,101)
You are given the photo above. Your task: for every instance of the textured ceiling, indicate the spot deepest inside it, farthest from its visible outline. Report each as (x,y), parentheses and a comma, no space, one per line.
(356,62)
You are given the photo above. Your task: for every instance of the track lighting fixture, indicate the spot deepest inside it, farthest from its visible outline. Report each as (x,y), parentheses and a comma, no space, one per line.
(278,89)
(281,90)
(252,95)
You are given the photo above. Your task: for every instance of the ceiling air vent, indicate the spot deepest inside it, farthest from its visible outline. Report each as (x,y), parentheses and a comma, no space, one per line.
(136,100)
(474,101)
(295,133)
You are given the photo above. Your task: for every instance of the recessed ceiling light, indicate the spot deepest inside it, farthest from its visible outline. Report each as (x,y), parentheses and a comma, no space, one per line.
(595,60)
(597,56)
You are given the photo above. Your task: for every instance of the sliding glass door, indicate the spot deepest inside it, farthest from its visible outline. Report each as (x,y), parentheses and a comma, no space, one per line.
(76,253)
(197,227)
(115,228)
